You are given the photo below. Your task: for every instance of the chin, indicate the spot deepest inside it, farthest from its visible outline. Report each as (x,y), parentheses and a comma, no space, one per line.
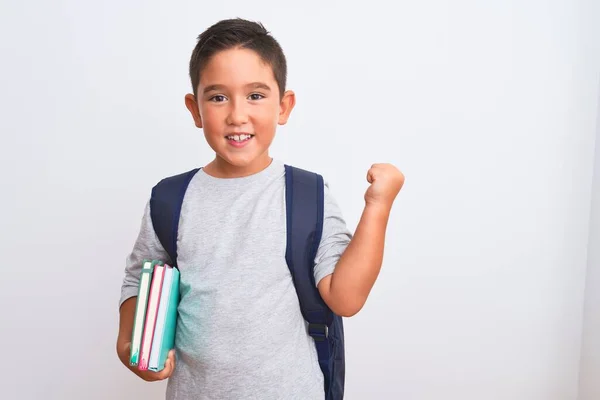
(241,162)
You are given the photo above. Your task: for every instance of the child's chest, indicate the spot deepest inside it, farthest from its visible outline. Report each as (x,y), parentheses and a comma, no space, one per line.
(233,241)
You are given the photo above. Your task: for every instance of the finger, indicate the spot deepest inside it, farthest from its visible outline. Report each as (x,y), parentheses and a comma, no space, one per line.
(146,375)
(171,356)
(167,370)
(172,359)
(169,365)
(370,175)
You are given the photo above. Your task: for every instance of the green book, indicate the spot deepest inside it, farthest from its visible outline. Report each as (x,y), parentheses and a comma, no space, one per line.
(166,321)
(140,310)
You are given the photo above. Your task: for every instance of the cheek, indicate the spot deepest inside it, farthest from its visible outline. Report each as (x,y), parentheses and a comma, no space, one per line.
(267,116)
(211,121)
(210,125)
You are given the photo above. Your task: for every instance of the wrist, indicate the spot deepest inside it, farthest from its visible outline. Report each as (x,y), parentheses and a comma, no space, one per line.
(378,210)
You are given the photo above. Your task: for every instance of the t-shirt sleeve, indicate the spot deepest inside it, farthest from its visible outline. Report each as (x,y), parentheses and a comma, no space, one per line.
(147,246)
(335,238)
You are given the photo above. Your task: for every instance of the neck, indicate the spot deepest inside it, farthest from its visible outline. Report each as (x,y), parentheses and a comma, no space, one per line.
(219,168)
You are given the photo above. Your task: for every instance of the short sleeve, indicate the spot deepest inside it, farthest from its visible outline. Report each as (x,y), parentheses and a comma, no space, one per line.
(335,238)
(147,246)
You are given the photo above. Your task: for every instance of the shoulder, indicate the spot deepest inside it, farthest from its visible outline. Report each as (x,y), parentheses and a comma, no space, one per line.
(309,174)
(177,179)
(300,169)
(303,173)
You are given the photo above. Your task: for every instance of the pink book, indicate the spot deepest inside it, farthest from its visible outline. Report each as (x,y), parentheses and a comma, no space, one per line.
(151,313)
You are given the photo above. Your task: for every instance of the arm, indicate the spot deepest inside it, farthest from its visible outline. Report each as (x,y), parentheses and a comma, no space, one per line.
(346,290)
(147,246)
(127,314)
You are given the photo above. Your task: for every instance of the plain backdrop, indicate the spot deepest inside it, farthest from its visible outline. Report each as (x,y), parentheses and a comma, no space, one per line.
(489,108)
(589,388)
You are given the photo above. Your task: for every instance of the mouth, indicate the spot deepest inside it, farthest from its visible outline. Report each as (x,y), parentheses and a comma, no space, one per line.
(239,138)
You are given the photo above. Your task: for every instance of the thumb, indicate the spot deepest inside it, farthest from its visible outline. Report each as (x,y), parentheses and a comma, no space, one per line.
(171,360)
(169,365)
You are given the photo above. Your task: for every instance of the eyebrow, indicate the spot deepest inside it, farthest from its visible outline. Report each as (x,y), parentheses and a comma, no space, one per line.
(253,85)
(259,85)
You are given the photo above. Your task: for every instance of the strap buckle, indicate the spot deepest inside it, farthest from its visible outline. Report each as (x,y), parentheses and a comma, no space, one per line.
(319,332)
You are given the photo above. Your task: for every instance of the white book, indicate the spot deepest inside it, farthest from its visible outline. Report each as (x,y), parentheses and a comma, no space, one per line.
(161,319)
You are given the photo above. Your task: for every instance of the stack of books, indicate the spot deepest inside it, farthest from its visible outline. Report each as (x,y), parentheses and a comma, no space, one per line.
(155,319)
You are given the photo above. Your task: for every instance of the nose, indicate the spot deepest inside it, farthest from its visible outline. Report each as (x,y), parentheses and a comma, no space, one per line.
(238,114)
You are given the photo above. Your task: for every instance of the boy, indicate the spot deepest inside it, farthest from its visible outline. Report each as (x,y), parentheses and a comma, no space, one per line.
(240,332)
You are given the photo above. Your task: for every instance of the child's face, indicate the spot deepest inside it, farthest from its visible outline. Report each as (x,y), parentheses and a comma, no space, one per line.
(238,106)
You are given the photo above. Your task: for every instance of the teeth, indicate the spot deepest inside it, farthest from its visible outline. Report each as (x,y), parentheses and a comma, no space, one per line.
(239,138)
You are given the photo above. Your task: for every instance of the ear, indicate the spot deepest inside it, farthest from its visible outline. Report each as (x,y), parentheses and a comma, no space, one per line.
(192,106)
(288,101)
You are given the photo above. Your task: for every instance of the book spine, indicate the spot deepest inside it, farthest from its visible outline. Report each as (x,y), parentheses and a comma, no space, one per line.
(140,311)
(151,314)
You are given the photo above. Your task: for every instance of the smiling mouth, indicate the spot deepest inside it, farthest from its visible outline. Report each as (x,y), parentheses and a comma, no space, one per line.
(239,138)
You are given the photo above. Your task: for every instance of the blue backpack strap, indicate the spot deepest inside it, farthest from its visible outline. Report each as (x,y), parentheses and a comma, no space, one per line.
(304,213)
(165,209)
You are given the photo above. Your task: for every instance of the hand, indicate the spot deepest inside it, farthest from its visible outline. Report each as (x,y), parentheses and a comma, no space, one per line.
(386,182)
(150,376)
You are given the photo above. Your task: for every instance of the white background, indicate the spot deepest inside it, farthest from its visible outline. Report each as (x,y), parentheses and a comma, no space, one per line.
(590,352)
(489,108)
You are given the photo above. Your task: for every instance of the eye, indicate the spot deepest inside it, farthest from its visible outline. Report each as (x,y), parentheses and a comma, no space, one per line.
(256,96)
(217,98)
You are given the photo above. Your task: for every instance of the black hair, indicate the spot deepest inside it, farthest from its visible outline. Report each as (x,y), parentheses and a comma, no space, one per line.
(232,33)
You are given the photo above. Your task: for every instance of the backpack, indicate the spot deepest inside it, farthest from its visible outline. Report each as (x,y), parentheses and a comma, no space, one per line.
(304,215)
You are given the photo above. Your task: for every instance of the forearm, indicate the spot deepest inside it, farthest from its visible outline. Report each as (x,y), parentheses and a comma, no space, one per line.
(127,314)
(358,268)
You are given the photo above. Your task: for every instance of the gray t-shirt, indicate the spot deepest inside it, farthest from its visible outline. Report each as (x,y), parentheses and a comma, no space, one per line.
(240,333)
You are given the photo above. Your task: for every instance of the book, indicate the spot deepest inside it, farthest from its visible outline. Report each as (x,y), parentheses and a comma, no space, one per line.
(164,332)
(140,310)
(151,315)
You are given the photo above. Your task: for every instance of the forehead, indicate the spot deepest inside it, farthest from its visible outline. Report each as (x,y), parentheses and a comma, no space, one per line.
(236,67)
